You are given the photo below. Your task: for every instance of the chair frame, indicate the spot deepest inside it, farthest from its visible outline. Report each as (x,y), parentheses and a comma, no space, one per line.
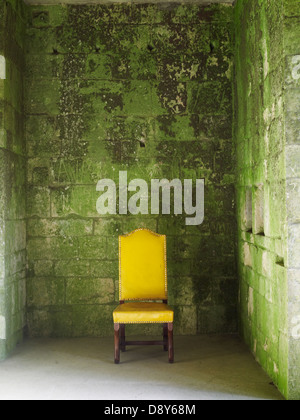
(120,341)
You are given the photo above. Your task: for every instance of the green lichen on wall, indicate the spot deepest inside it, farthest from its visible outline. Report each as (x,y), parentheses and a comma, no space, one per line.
(260,145)
(143,88)
(267,62)
(12,177)
(292,156)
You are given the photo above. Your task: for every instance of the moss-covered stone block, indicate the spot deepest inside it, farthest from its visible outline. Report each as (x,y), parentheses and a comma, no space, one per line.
(137,99)
(72,268)
(92,320)
(56,227)
(149,71)
(69,201)
(185,319)
(48,103)
(52,248)
(45,291)
(291,33)
(92,247)
(38,201)
(89,291)
(43,16)
(105,268)
(208,98)
(46,66)
(291,8)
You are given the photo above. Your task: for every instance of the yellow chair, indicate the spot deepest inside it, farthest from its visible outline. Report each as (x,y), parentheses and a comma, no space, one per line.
(143,289)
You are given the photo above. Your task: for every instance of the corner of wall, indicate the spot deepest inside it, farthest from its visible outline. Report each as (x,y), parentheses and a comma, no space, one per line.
(12,176)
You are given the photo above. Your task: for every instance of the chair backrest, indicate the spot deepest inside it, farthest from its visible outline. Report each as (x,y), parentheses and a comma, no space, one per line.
(143,266)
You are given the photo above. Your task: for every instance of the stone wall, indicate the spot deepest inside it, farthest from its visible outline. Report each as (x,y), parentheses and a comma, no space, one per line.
(12,175)
(259,135)
(292,131)
(267,138)
(140,88)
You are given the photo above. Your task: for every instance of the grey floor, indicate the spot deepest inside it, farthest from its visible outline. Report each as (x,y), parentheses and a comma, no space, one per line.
(206,367)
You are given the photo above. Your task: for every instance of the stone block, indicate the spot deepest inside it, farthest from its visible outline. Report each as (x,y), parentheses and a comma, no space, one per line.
(294,246)
(17,203)
(52,248)
(291,8)
(77,200)
(136,93)
(292,79)
(185,319)
(131,68)
(274,209)
(99,66)
(225,291)
(15,236)
(42,16)
(112,247)
(293,276)
(292,128)
(45,292)
(2,328)
(181,290)
(105,269)
(42,268)
(42,136)
(43,97)
(208,98)
(268,261)
(292,98)
(38,201)
(292,161)
(48,66)
(13,86)
(57,227)
(93,247)
(217,318)
(275,167)
(36,321)
(15,263)
(44,40)
(168,128)
(92,320)
(291,36)
(89,291)
(292,200)
(73,268)
(108,226)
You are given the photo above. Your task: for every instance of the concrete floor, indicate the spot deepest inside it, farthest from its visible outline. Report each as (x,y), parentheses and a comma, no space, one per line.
(205,368)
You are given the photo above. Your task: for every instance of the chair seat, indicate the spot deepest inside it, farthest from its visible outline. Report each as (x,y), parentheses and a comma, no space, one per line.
(143,312)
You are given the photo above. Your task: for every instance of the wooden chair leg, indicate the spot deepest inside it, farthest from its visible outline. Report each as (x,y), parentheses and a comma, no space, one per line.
(170,342)
(165,336)
(117,342)
(123,339)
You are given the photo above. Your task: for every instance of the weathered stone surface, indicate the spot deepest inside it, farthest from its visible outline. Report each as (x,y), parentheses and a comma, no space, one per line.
(142,88)
(266,97)
(12,177)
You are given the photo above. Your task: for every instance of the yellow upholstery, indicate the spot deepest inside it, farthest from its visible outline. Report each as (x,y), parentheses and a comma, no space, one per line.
(143,312)
(143,278)
(143,268)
